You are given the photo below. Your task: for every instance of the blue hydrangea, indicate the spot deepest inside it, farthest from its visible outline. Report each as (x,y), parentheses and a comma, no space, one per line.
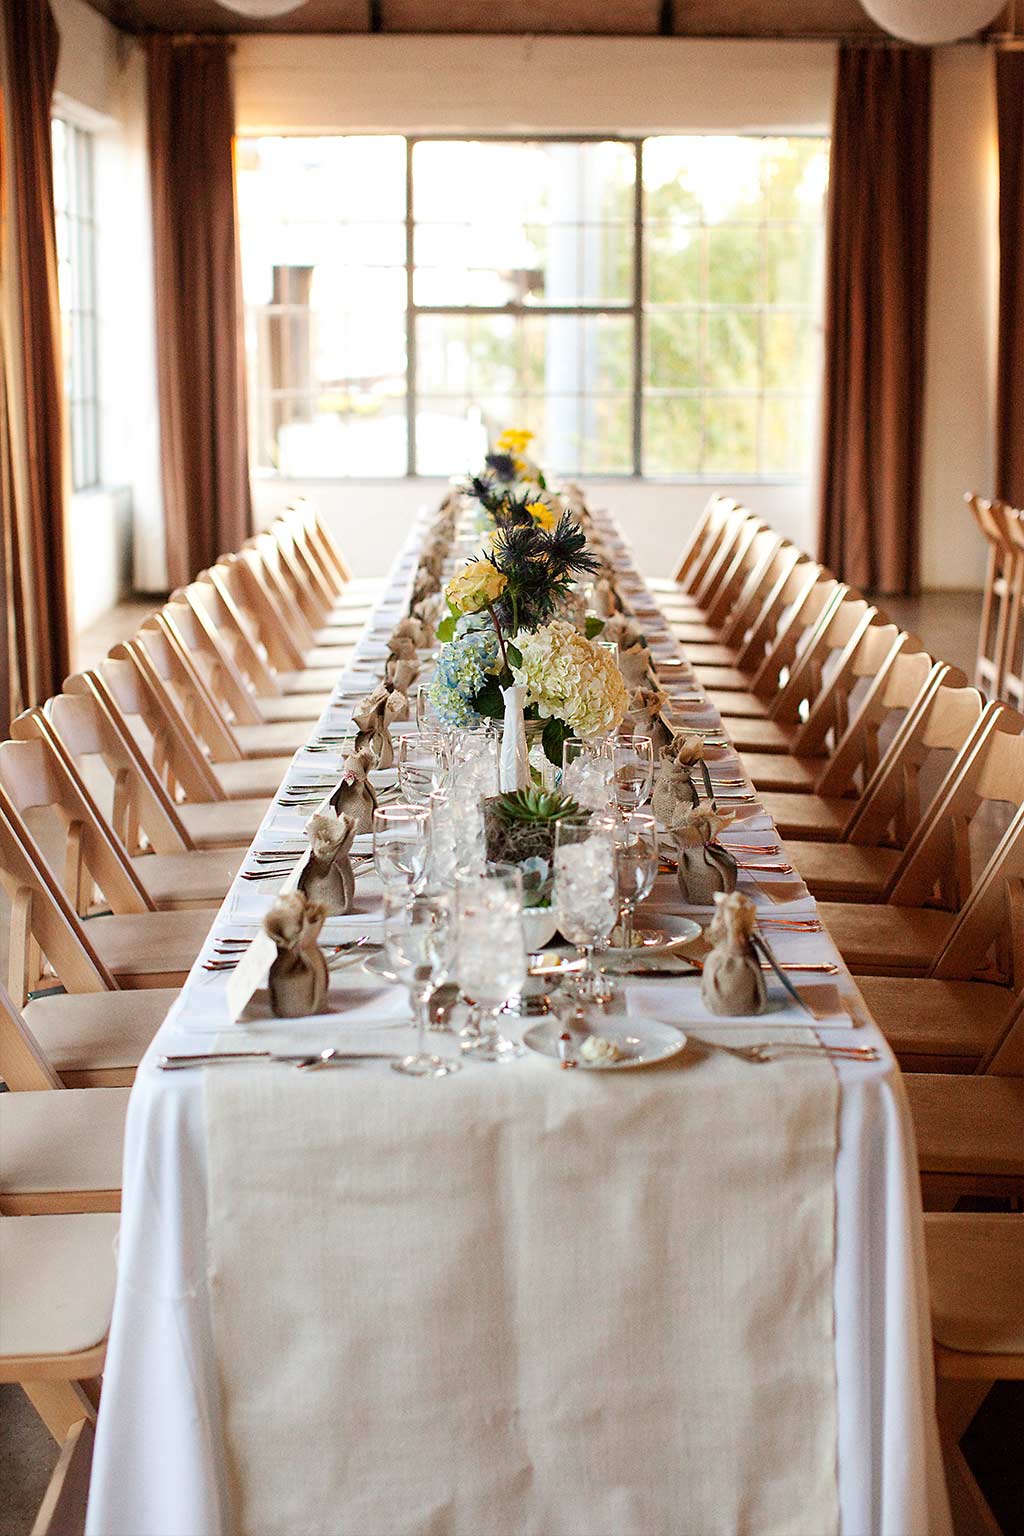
(463,667)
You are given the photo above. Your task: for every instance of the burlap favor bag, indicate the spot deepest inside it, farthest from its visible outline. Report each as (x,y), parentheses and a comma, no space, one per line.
(681,771)
(298,976)
(328,877)
(704,870)
(372,720)
(637,666)
(732,981)
(606,598)
(624,631)
(415,629)
(645,715)
(403,650)
(355,796)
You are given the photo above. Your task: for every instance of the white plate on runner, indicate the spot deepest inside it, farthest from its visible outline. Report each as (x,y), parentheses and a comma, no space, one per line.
(641,1042)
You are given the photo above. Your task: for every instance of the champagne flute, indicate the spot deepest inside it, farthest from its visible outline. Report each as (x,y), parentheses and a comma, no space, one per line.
(586,896)
(401,845)
(636,866)
(417,944)
(633,755)
(424,765)
(491,963)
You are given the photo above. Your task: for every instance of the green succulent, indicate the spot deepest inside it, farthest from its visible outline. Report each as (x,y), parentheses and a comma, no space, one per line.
(537,805)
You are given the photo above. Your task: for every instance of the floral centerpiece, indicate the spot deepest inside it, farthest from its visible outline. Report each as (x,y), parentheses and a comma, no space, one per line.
(505,627)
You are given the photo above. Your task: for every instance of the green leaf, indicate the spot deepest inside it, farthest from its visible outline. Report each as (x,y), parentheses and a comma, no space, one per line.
(594,626)
(446,630)
(489,701)
(556,732)
(515,655)
(541,480)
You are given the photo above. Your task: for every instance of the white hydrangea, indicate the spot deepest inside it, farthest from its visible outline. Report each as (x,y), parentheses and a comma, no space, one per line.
(570,678)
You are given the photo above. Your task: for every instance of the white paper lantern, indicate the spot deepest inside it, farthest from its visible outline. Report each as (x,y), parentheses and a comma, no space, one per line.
(261,8)
(932,21)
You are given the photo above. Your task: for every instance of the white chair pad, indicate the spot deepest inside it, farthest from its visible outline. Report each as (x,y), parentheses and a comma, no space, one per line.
(975,1261)
(57,1283)
(97,1031)
(62,1140)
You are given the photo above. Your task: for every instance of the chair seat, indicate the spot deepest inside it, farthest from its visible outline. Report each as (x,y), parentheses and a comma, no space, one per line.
(203,876)
(725,680)
(967,1124)
(692,632)
(759,735)
(57,1280)
(738,706)
(842,871)
(305,707)
(879,938)
(273,738)
(922,1017)
(317,680)
(709,655)
(975,1261)
(334,654)
(150,949)
(256,777)
(814,817)
(60,1144)
(86,1035)
(780,770)
(222,823)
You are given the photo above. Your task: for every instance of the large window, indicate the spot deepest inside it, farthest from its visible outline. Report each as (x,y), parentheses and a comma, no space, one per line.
(76,276)
(644,306)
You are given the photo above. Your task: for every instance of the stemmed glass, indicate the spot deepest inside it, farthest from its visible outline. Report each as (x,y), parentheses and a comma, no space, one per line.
(490,953)
(636,864)
(586,895)
(633,755)
(417,945)
(401,846)
(424,765)
(587,772)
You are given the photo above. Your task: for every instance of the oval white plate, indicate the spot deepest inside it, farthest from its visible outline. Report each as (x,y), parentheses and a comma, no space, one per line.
(643,1043)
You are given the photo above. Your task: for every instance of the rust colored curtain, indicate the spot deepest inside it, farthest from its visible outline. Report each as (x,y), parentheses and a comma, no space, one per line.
(1010,367)
(35,634)
(875,317)
(200,349)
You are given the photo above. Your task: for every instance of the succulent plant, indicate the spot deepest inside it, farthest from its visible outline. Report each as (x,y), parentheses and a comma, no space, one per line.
(536,805)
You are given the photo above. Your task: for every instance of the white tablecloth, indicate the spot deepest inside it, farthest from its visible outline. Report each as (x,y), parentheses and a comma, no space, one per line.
(158,1466)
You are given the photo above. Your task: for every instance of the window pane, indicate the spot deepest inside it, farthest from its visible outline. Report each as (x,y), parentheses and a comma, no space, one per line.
(786,430)
(673,350)
(556,227)
(323,272)
(674,262)
(75,232)
(730,436)
(566,377)
(791,262)
(734,265)
(732,352)
(790,351)
(672,436)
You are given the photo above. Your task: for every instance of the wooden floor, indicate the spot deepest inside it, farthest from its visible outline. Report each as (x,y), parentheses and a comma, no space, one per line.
(947,623)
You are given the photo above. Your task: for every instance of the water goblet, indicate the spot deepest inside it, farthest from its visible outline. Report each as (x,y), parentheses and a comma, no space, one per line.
(424,764)
(636,866)
(401,845)
(633,756)
(587,772)
(586,896)
(491,963)
(417,945)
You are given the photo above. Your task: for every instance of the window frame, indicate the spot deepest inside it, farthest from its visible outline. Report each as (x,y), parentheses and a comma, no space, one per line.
(637,310)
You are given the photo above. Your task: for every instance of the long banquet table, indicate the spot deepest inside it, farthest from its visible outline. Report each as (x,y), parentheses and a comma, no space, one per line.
(160,1463)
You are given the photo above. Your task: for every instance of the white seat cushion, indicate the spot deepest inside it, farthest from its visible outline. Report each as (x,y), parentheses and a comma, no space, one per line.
(975,1261)
(57,1283)
(97,1031)
(62,1140)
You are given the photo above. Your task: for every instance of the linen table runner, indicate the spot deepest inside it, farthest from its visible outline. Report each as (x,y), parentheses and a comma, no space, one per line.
(526,1302)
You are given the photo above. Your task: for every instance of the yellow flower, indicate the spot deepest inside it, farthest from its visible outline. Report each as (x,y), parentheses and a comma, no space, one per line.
(514,441)
(476,587)
(542,514)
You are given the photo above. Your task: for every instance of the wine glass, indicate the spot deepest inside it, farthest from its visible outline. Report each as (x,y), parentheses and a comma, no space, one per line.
(401,845)
(426,715)
(417,945)
(587,772)
(636,865)
(633,756)
(586,895)
(490,954)
(424,764)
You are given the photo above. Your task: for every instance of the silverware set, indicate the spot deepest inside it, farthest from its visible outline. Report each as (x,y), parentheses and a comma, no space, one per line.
(773,1050)
(228,952)
(310,1061)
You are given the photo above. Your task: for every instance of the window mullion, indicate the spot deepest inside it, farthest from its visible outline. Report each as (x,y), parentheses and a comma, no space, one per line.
(638,311)
(410,319)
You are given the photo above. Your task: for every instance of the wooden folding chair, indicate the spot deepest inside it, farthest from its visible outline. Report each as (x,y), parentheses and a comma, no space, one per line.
(212,593)
(975,1261)
(1003,575)
(717,643)
(713,525)
(62,1149)
(57,1277)
(752,551)
(63,1510)
(140,946)
(937,871)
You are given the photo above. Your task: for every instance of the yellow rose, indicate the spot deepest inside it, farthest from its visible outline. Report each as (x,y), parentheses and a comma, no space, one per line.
(542,514)
(514,441)
(476,587)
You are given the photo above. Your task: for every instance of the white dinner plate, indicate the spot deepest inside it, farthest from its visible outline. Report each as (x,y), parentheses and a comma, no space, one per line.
(642,1043)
